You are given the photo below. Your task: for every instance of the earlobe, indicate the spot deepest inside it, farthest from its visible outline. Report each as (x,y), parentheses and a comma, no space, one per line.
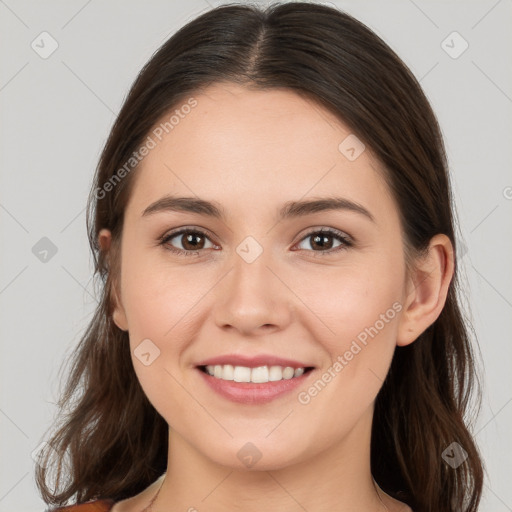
(427,290)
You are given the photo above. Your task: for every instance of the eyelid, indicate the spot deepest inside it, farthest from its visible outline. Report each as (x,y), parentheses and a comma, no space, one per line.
(329,230)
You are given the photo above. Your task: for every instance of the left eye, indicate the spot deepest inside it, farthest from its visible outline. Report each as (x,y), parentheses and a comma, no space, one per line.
(323,239)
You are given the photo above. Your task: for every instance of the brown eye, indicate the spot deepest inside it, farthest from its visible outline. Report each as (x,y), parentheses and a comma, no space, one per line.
(326,241)
(191,241)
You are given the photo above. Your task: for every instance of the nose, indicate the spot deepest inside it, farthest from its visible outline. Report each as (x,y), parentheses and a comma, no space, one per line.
(252,299)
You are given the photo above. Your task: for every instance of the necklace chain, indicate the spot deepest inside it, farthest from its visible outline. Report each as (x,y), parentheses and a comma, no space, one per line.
(377,489)
(149,508)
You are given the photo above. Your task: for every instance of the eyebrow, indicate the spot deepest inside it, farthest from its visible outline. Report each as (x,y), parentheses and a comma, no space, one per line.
(290,209)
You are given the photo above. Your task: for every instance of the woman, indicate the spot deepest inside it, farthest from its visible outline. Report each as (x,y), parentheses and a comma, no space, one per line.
(279,326)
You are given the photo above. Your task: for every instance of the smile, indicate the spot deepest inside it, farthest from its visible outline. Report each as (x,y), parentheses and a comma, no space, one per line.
(258,385)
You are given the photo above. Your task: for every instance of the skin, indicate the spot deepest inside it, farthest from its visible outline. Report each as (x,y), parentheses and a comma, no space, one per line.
(252,151)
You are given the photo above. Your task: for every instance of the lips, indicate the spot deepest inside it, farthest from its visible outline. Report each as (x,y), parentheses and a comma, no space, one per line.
(254,361)
(251,393)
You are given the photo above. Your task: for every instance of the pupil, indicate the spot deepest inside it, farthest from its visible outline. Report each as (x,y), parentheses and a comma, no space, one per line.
(320,239)
(190,240)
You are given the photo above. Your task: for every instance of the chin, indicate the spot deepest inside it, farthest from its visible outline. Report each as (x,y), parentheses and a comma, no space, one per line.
(256,453)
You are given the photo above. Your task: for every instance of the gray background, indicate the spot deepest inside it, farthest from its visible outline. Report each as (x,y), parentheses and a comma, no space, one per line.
(56,114)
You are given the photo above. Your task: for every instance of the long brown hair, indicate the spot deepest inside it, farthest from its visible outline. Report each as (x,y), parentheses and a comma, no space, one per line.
(109,441)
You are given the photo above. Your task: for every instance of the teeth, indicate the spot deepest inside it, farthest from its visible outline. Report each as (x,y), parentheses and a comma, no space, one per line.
(258,375)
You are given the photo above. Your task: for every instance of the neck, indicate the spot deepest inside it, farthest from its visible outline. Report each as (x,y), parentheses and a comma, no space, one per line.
(335,479)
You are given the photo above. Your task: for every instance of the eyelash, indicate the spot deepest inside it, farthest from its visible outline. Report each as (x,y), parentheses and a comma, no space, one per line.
(344,239)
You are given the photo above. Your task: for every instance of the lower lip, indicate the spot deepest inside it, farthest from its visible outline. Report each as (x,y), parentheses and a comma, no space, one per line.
(253,393)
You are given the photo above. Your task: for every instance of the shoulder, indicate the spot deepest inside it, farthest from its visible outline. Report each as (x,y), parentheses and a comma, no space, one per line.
(90,506)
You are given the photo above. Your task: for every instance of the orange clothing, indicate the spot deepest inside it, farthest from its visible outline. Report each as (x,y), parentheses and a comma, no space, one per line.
(90,506)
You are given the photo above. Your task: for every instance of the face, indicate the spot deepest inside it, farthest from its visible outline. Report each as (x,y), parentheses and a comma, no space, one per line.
(318,287)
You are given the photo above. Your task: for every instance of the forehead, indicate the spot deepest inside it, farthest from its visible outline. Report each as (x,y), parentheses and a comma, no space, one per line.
(237,145)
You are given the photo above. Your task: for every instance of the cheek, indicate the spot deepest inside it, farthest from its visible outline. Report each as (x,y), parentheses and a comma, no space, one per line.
(159,303)
(362,307)
(349,300)
(163,304)
(155,295)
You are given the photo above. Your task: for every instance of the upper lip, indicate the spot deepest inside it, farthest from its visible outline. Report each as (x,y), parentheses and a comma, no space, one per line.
(253,361)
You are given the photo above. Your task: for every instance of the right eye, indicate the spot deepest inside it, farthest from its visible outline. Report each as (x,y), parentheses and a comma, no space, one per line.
(192,241)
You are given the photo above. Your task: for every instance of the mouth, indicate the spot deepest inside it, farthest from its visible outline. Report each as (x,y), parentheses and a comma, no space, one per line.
(254,385)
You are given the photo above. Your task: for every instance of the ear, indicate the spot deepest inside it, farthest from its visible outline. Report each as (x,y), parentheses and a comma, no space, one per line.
(118,315)
(427,289)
